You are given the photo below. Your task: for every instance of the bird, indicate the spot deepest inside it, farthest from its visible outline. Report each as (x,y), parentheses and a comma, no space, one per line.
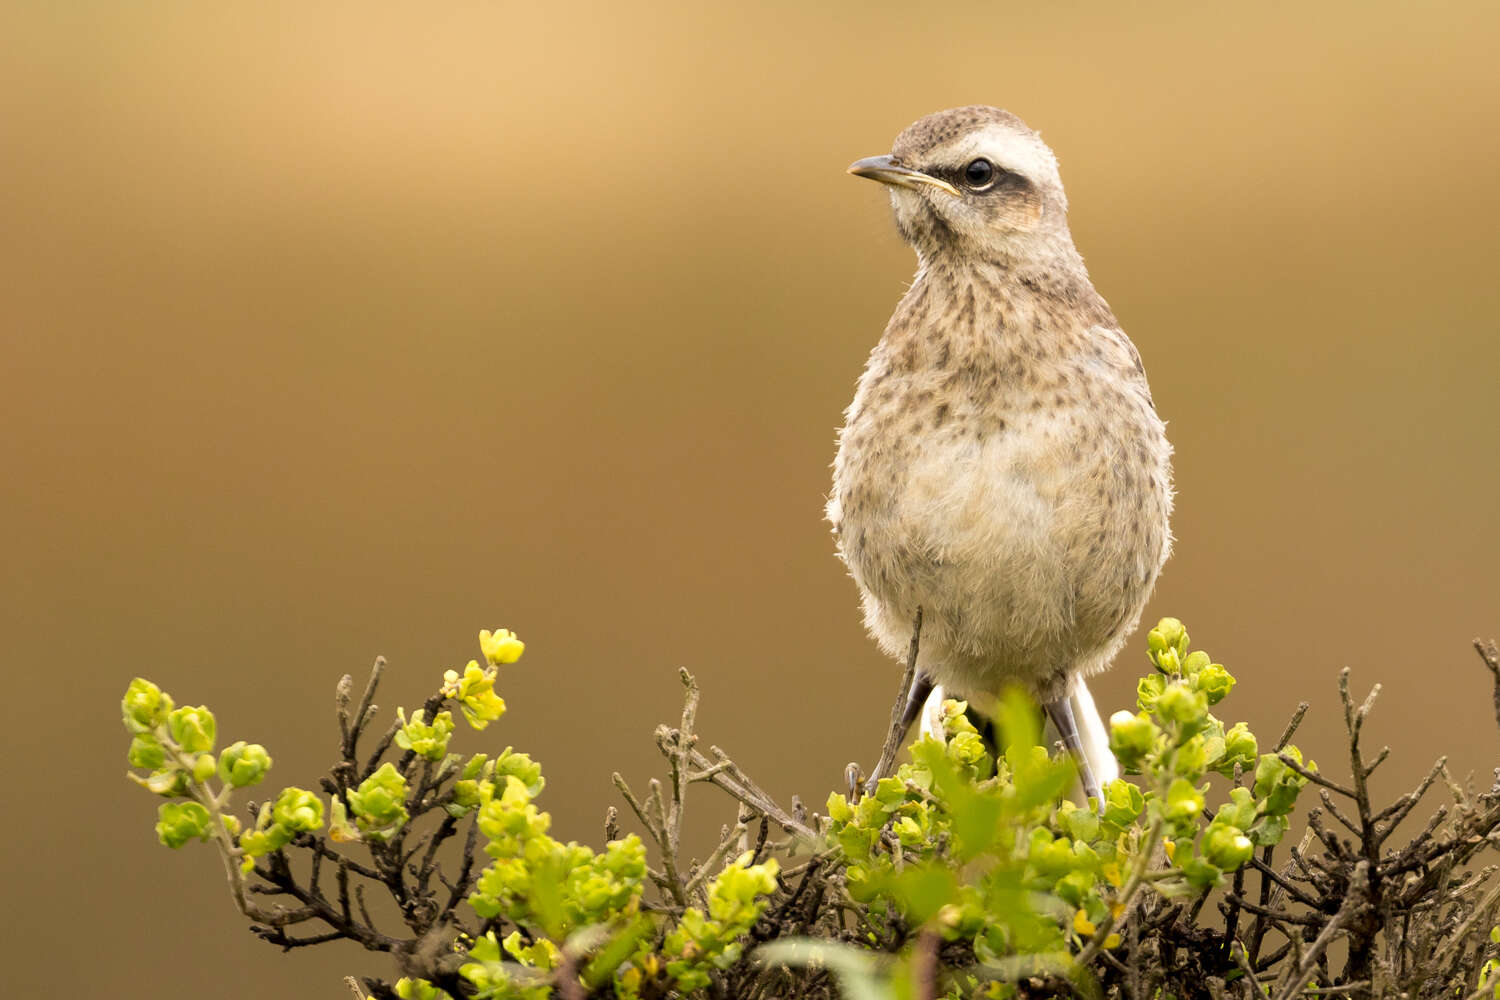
(1002,471)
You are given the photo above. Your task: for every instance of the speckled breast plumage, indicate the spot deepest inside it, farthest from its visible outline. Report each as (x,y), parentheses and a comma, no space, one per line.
(1002,467)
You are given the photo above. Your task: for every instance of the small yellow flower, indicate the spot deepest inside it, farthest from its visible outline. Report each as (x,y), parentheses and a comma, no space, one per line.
(474,690)
(1082,924)
(514,796)
(1113,941)
(501,646)
(1171,848)
(1111,872)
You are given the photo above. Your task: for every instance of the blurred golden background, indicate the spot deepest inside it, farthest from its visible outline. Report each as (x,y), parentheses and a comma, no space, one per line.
(343,329)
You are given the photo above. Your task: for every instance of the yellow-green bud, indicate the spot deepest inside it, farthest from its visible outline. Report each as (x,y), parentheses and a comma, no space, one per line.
(379,803)
(1184,802)
(1214,681)
(1131,738)
(1168,636)
(192,728)
(1226,847)
(1240,749)
(145,706)
(146,751)
(297,810)
(204,767)
(427,740)
(500,646)
(179,822)
(1182,705)
(243,764)
(1148,689)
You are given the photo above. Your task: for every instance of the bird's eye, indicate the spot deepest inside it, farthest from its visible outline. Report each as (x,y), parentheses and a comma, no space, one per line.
(979,173)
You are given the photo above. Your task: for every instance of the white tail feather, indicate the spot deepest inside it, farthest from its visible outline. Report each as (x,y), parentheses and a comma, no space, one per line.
(1091,728)
(1092,731)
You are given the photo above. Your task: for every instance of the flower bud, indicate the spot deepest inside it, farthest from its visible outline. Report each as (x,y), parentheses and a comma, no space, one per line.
(146,751)
(297,810)
(428,741)
(379,804)
(966,749)
(1181,705)
(1131,738)
(204,767)
(243,764)
(192,729)
(1214,681)
(1184,802)
(1240,749)
(1226,847)
(521,767)
(474,690)
(1168,636)
(179,822)
(500,646)
(1148,689)
(145,706)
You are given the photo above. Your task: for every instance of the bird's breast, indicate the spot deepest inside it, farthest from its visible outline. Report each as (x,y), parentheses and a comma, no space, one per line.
(1013,501)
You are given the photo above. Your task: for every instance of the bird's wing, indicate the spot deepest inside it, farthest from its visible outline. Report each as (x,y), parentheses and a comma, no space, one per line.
(1122,355)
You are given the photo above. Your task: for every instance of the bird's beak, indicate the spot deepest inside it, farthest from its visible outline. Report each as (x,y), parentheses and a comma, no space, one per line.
(886,171)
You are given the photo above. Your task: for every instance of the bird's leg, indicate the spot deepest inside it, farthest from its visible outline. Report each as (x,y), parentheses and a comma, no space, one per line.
(915,687)
(916,697)
(1060,712)
(921,688)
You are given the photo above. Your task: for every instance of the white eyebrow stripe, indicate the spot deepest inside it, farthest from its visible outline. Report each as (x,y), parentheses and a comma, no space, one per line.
(1005,147)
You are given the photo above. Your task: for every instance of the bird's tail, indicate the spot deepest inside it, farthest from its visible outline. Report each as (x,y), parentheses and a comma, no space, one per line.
(1093,733)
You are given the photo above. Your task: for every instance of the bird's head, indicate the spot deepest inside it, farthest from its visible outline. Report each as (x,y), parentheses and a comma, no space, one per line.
(974,182)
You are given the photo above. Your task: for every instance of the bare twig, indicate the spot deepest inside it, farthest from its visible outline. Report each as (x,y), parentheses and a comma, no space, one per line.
(897,730)
(1354,902)
(1490,654)
(1315,777)
(1291,727)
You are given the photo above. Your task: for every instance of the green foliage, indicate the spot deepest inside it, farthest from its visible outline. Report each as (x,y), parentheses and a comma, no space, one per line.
(179,822)
(573,912)
(704,941)
(243,764)
(428,741)
(977,855)
(986,852)
(379,803)
(474,691)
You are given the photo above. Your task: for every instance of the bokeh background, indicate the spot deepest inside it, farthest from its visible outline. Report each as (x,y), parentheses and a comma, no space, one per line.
(341,329)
